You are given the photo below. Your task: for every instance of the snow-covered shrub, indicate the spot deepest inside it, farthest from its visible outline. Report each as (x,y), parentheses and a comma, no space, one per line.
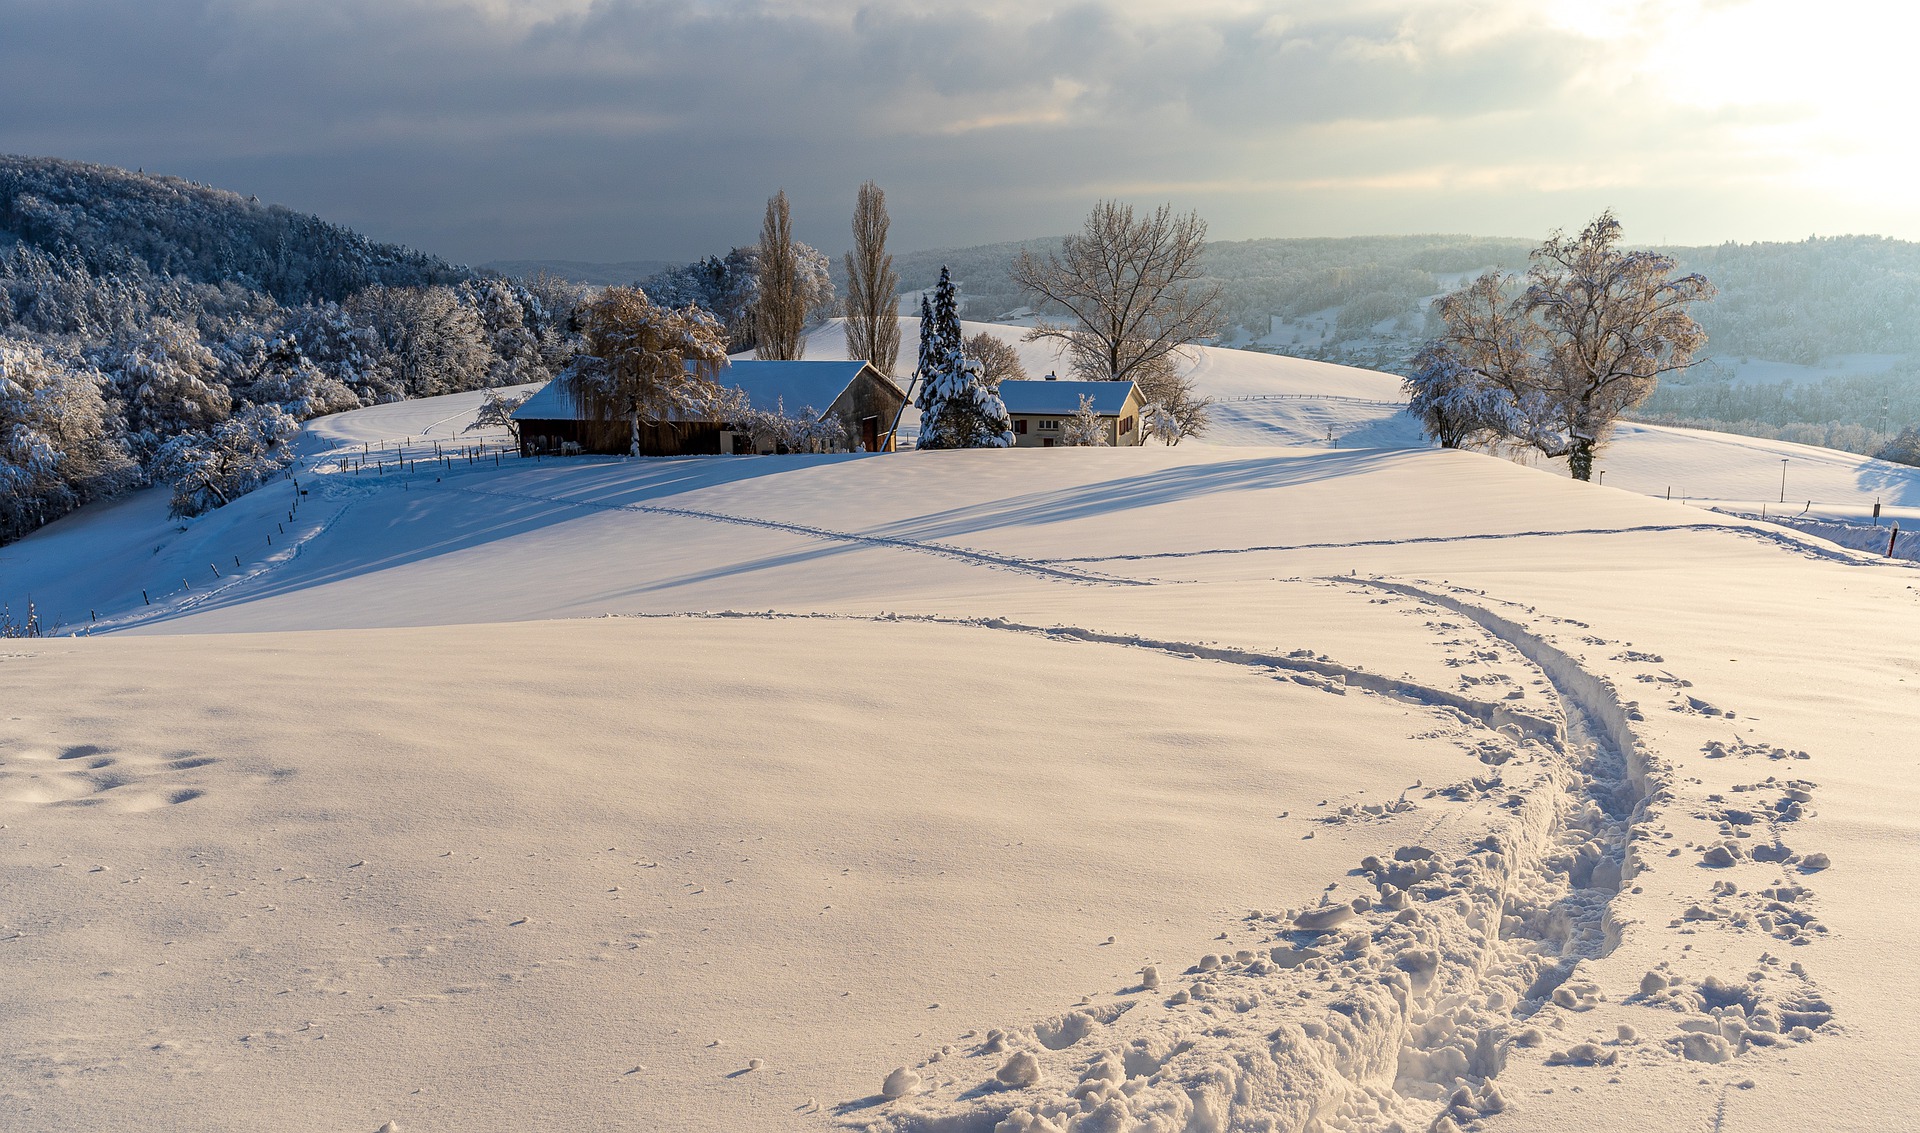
(1086,428)
(1903,449)
(775,430)
(212,469)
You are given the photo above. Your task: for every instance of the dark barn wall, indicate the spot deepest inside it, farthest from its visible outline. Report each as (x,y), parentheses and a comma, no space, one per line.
(868,396)
(614,438)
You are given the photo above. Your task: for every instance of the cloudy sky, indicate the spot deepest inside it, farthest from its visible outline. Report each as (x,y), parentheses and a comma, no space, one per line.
(630,129)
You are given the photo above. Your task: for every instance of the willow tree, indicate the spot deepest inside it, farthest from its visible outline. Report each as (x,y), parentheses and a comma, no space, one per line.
(648,363)
(1551,361)
(873,287)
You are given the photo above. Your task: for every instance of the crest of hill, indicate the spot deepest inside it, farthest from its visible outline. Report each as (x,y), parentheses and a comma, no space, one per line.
(118,222)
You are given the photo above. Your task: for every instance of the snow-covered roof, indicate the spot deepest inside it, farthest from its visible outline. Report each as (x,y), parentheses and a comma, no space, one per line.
(768,385)
(1063,398)
(551,402)
(795,384)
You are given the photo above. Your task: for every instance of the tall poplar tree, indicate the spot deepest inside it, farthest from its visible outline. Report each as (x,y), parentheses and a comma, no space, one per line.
(873,324)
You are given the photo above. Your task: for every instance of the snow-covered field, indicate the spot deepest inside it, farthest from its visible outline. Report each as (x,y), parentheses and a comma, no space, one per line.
(1256,785)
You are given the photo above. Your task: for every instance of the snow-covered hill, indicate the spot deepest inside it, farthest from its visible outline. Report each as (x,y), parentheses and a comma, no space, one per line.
(1218,787)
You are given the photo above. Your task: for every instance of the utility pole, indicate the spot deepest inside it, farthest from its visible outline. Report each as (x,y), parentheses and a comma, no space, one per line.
(1783,479)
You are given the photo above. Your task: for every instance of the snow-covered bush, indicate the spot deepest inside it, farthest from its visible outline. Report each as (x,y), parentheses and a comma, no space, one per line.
(212,469)
(1903,449)
(775,430)
(1086,428)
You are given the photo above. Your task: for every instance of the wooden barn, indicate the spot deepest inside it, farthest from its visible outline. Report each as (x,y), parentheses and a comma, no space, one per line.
(865,401)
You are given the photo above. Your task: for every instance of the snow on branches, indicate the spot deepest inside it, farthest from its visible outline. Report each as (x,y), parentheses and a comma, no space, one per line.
(1086,428)
(645,362)
(1553,365)
(54,451)
(211,469)
(957,407)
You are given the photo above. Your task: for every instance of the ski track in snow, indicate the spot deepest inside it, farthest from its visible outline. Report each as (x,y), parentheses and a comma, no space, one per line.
(943,550)
(1395,1004)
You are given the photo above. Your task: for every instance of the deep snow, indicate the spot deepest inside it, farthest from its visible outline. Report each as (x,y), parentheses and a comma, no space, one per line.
(717,793)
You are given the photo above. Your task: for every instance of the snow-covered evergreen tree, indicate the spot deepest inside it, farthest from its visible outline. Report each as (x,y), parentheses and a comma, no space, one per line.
(957,407)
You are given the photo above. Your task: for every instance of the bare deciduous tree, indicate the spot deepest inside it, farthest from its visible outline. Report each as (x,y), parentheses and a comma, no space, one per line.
(1554,365)
(873,324)
(999,361)
(635,366)
(1133,287)
(780,307)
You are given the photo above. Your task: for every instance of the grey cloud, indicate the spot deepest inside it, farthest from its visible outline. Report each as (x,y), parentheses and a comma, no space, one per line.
(656,128)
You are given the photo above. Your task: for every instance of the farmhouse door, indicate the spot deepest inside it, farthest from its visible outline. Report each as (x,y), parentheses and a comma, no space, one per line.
(870,434)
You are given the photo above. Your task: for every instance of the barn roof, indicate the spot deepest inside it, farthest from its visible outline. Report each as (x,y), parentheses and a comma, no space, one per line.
(1063,398)
(768,385)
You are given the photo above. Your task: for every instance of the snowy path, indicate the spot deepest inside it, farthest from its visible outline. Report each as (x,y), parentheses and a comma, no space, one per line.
(1432,973)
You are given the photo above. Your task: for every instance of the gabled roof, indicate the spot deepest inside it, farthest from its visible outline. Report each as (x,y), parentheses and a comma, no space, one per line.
(1063,398)
(768,385)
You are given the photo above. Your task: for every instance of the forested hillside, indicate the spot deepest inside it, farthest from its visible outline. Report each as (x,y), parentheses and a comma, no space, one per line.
(152,328)
(110,219)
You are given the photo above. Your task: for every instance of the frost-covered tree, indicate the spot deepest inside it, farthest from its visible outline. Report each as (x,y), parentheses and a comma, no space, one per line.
(346,350)
(432,343)
(1086,428)
(214,468)
(1553,365)
(724,287)
(169,383)
(496,412)
(1904,448)
(55,451)
(957,409)
(644,362)
(873,324)
(999,361)
(275,371)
